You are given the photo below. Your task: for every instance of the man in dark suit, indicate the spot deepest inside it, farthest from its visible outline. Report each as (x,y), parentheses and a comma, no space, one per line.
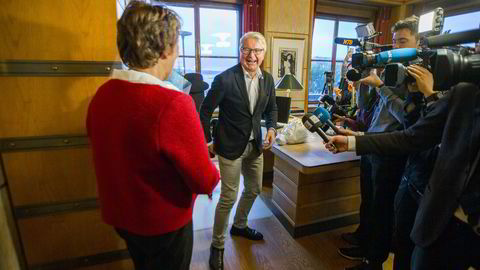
(443,240)
(243,93)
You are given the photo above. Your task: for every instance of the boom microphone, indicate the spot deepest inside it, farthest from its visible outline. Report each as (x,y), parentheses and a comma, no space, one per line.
(324,117)
(312,123)
(347,41)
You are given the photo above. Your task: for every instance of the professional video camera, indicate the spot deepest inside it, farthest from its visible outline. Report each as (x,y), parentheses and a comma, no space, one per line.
(365,33)
(449,66)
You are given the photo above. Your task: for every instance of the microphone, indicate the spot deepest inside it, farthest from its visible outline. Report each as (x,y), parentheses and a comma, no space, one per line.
(347,41)
(396,55)
(312,123)
(324,117)
(453,39)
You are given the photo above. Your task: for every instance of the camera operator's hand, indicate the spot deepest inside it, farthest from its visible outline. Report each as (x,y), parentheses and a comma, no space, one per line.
(372,79)
(423,77)
(337,144)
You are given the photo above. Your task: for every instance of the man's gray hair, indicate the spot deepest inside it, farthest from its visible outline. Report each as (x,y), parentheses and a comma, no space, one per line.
(257,36)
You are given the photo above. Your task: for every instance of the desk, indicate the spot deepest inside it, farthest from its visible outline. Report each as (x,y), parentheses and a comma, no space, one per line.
(314,190)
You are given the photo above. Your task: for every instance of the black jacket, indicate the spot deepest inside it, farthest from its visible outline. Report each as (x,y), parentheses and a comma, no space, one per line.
(235,122)
(455,123)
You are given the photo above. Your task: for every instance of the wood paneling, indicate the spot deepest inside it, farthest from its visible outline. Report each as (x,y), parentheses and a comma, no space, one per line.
(50,176)
(325,210)
(346,11)
(34,106)
(327,190)
(58,29)
(288,16)
(284,203)
(8,254)
(63,236)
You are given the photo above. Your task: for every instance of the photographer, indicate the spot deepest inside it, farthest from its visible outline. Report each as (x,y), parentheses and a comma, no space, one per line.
(381,174)
(442,239)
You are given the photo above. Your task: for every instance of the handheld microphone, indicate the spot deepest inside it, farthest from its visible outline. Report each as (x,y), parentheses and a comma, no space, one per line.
(324,117)
(396,55)
(347,41)
(312,123)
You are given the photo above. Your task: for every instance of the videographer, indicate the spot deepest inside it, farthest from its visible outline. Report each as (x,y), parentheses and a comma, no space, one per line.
(381,174)
(442,237)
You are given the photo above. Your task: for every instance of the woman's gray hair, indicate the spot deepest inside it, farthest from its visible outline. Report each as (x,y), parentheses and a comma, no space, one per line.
(257,36)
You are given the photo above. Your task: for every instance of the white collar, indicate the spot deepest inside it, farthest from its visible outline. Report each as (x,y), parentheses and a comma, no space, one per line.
(258,73)
(141,77)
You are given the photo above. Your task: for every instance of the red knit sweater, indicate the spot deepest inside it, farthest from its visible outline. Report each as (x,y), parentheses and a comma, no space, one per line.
(150,156)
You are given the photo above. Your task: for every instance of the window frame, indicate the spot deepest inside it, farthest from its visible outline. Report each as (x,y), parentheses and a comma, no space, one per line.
(196,13)
(333,57)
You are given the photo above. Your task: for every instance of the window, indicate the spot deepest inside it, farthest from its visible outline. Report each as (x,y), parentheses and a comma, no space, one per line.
(323,51)
(218,35)
(462,22)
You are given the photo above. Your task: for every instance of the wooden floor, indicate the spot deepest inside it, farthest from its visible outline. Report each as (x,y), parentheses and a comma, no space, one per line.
(278,251)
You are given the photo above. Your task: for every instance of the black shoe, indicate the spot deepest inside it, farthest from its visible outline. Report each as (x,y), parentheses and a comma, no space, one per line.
(247,233)
(366,266)
(351,238)
(216,258)
(352,253)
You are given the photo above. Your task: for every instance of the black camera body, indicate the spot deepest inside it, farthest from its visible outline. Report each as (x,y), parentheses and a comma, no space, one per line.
(448,67)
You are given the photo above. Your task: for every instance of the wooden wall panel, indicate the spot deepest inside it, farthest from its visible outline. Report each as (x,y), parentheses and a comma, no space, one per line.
(63,236)
(58,29)
(8,254)
(288,16)
(50,176)
(34,106)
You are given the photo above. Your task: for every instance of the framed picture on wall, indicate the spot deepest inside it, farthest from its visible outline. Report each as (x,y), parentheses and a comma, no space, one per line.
(287,57)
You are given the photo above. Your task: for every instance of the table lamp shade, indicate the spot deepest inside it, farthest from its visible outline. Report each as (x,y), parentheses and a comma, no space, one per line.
(289,82)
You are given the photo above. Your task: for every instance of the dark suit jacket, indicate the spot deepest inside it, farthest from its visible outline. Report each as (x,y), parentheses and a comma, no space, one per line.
(235,122)
(455,123)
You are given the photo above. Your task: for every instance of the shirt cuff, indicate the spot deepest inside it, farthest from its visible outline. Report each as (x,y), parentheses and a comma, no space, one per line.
(274,130)
(351,143)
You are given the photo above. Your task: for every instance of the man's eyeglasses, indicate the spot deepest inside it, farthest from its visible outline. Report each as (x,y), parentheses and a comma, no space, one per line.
(246,51)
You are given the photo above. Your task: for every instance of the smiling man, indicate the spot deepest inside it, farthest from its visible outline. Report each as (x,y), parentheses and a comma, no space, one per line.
(243,93)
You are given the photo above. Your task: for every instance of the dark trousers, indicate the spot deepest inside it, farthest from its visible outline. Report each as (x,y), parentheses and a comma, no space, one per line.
(365,193)
(386,172)
(457,248)
(170,251)
(406,207)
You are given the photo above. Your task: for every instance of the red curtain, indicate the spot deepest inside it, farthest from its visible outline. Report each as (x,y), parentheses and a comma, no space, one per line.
(382,24)
(251,15)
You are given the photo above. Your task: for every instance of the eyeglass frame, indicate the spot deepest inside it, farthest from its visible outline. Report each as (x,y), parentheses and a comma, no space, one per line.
(256,51)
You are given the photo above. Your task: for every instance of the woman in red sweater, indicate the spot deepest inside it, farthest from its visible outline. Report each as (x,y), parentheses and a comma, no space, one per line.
(149,151)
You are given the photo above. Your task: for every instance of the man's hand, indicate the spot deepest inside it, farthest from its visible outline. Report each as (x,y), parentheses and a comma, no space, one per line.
(269,139)
(423,77)
(347,132)
(372,79)
(211,151)
(337,144)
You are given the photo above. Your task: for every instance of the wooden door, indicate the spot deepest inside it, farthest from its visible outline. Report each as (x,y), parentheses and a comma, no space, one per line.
(54,54)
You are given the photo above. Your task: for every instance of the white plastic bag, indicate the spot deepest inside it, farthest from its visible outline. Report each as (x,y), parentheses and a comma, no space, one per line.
(293,133)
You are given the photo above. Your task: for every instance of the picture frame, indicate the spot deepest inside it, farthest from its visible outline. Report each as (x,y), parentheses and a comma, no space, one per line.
(287,57)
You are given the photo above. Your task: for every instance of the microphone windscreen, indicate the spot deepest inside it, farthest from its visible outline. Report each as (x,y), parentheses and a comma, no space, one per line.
(354,75)
(322,114)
